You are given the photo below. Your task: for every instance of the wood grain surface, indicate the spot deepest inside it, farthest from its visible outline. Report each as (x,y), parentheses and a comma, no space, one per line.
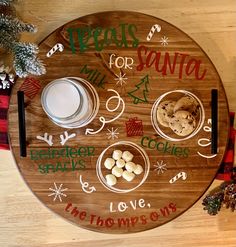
(165,234)
(150,200)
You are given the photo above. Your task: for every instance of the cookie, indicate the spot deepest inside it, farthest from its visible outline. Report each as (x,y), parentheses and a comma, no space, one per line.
(189,104)
(165,111)
(182,123)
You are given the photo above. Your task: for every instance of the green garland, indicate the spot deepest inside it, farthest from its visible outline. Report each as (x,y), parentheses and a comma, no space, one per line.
(222,196)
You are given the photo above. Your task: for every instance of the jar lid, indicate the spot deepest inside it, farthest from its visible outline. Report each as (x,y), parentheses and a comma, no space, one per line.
(62,99)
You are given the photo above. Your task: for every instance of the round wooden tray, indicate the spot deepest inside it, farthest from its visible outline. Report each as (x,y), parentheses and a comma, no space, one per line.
(140,58)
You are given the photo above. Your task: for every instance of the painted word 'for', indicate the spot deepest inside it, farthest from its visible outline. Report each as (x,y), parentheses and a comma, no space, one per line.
(182,64)
(123,206)
(121,62)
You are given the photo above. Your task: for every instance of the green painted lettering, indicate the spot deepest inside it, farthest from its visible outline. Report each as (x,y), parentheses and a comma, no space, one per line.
(43,154)
(73,153)
(150,145)
(143,139)
(34,155)
(96,34)
(132,29)
(102,37)
(91,151)
(84,35)
(41,168)
(71,39)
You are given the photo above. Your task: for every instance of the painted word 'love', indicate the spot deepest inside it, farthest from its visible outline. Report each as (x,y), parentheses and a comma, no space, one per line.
(133,204)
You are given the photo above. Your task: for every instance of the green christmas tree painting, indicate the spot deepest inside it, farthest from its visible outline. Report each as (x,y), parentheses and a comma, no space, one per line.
(139,94)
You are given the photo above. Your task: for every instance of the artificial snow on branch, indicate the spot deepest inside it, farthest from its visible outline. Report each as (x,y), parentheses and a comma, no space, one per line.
(5,2)
(24,54)
(15,26)
(25,60)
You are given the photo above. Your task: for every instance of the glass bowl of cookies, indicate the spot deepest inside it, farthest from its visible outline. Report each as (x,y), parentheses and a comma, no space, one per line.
(177,115)
(123,167)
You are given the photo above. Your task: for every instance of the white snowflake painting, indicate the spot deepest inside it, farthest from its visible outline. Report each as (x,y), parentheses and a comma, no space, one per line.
(164,41)
(160,167)
(112,133)
(57,192)
(121,79)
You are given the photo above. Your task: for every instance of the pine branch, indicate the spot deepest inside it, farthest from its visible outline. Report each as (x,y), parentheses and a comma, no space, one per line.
(25,60)
(212,203)
(6,2)
(6,40)
(14,26)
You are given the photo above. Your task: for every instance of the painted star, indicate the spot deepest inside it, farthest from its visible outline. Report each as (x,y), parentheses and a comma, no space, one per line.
(57,192)
(160,167)
(112,134)
(121,79)
(164,41)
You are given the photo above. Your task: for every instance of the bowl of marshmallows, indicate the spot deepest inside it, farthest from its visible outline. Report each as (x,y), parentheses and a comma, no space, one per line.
(122,167)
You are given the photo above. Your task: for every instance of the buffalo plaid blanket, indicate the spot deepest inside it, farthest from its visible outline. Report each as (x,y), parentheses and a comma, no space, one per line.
(4,103)
(225,170)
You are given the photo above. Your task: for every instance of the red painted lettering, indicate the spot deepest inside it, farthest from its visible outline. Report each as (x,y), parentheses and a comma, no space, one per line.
(92,217)
(109,222)
(82,215)
(183,57)
(134,220)
(141,63)
(100,221)
(143,219)
(67,207)
(153,58)
(154,216)
(123,221)
(172,206)
(165,211)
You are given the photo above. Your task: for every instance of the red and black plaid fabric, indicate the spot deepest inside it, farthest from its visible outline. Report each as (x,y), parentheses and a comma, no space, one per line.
(4,103)
(226,168)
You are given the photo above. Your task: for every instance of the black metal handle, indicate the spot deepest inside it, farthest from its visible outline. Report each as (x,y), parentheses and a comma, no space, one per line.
(21,123)
(214,119)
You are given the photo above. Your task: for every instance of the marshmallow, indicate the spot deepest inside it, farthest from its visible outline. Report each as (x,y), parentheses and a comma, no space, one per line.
(120,163)
(130,166)
(127,156)
(109,163)
(138,169)
(117,154)
(117,171)
(129,176)
(111,179)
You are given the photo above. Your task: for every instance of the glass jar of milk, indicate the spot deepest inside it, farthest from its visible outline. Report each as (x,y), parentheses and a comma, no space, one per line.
(70,102)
